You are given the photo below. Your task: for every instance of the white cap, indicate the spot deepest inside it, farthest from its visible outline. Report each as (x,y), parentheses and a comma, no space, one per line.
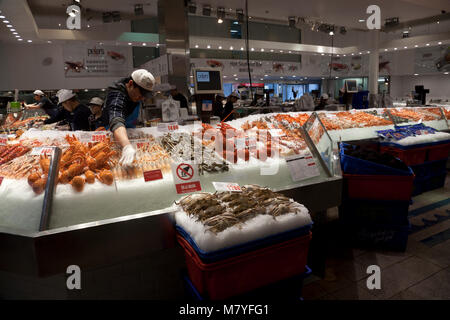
(143,79)
(38,92)
(64,95)
(96,101)
(324,96)
(234,94)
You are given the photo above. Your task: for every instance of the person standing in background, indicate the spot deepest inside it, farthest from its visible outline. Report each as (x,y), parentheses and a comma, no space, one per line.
(218,105)
(179,97)
(227,114)
(97,119)
(42,102)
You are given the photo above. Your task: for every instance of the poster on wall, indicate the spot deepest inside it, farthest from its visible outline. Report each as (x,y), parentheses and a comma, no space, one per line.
(344,66)
(96,61)
(239,68)
(431,60)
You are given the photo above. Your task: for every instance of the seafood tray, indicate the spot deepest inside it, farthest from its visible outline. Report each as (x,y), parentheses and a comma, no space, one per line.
(246,272)
(226,219)
(411,115)
(10,152)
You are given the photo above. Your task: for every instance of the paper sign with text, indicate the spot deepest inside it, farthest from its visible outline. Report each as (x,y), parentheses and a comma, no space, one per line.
(3,139)
(152,175)
(42,151)
(99,136)
(185,177)
(302,167)
(168,127)
(226,186)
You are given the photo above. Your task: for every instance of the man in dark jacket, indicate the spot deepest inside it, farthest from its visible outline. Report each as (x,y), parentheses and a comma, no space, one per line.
(179,97)
(121,101)
(218,105)
(42,102)
(227,114)
(73,112)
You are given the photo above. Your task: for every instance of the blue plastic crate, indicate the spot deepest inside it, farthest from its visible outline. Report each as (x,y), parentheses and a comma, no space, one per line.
(283,290)
(213,256)
(352,165)
(414,146)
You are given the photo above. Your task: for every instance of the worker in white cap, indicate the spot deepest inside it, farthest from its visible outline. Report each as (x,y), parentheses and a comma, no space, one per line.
(73,112)
(42,102)
(323,102)
(122,107)
(98,118)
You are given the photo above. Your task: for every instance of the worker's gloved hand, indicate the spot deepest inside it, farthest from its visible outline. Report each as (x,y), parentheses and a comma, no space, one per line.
(128,156)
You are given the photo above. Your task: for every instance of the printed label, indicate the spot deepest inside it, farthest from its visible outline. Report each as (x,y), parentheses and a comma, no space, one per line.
(152,175)
(226,186)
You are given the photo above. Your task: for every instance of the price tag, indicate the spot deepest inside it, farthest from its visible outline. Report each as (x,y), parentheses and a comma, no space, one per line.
(3,139)
(185,176)
(42,151)
(99,136)
(152,175)
(302,167)
(168,127)
(1,180)
(227,186)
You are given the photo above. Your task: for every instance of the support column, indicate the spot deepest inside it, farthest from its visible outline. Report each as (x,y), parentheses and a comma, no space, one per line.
(374,60)
(174,33)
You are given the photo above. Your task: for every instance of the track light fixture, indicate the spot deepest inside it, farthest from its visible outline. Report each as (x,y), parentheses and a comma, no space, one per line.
(192,7)
(206,11)
(139,9)
(291,22)
(220,14)
(240,15)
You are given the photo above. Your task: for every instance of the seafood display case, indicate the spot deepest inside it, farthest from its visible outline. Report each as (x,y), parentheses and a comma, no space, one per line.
(81,192)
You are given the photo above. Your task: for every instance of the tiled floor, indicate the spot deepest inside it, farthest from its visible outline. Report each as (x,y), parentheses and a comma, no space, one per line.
(421,272)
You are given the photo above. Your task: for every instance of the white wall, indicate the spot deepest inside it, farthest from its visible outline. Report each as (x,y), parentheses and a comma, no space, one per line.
(21,68)
(439,85)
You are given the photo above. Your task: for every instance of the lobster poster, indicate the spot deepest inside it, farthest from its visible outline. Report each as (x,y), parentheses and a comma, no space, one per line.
(96,61)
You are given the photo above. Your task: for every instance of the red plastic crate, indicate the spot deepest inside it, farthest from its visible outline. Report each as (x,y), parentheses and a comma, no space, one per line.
(439,152)
(379,187)
(248,271)
(410,157)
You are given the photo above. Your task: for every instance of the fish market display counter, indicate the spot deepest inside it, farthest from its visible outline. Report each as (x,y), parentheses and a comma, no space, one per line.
(56,213)
(50,221)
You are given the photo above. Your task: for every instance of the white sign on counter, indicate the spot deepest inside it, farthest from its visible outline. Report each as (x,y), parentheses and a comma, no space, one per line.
(3,139)
(168,127)
(185,176)
(302,167)
(226,186)
(42,151)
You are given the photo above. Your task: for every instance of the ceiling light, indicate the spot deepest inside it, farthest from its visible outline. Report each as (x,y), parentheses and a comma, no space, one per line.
(294,76)
(235,79)
(322,54)
(129,43)
(323,78)
(331,33)
(59,24)
(281,77)
(144,44)
(192,7)
(253,49)
(290,51)
(360,53)
(291,21)
(49,41)
(439,42)
(345,55)
(223,76)
(446,72)
(240,15)
(353,54)
(88,26)
(208,46)
(19,39)
(395,48)
(261,79)
(271,50)
(281,51)
(437,22)
(196,45)
(368,51)
(416,74)
(337,55)
(219,20)
(428,44)
(5,21)
(15,33)
(265,75)
(12,30)
(17,36)
(416,46)
(139,9)
(231,48)
(262,50)
(234,75)
(385,49)
(29,41)
(2,17)
(220,47)
(361,20)
(206,11)
(9,25)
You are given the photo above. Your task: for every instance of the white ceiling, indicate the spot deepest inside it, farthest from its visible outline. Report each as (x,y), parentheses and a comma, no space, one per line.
(342,13)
